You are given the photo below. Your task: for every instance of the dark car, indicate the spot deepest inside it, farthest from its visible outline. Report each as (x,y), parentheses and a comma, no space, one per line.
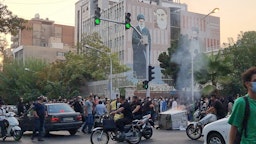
(60,117)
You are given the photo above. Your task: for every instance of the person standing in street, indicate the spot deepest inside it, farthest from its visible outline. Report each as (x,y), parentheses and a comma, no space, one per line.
(88,109)
(20,106)
(39,117)
(100,109)
(238,111)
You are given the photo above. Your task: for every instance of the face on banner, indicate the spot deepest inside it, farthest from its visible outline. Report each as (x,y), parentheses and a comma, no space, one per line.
(141,23)
(161,18)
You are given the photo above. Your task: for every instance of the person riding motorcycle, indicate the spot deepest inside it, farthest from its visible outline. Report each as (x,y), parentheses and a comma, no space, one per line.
(2,116)
(136,108)
(213,113)
(126,109)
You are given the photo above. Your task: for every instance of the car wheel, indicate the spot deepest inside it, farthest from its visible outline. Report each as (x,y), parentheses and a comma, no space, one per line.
(215,138)
(73,131)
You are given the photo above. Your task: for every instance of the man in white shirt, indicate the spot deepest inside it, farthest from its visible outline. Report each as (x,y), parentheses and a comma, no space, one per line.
(174,103)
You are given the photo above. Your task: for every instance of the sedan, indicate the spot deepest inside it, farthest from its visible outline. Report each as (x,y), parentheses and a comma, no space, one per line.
(217,132)
(60,117)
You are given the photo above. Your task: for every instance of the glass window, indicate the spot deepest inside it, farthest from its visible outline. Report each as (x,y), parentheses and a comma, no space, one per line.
(59,108)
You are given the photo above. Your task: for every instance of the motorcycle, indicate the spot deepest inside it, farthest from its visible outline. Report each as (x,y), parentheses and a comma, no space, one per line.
(145,125)
(193,130)
(108,130)
(12,127)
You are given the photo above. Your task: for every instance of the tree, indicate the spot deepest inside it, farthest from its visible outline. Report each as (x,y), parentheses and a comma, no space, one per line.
(10,23)
(98,63)
(214,73)
(173,61)
(241,56)
(20,80)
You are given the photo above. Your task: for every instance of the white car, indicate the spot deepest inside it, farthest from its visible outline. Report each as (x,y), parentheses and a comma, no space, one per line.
(217,132)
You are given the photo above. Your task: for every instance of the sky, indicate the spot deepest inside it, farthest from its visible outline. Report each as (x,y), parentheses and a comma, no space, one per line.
(235,15)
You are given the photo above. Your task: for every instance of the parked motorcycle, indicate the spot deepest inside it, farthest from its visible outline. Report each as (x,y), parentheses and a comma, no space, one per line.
(108,130)
(12,127)
(145,125)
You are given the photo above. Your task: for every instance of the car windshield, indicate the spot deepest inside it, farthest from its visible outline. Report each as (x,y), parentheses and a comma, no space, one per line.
(59,108)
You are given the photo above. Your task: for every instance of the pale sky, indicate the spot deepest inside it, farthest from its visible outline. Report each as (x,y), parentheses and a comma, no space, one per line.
(235,15)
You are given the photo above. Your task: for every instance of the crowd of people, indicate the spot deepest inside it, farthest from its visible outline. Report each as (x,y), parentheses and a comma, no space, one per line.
(123,110)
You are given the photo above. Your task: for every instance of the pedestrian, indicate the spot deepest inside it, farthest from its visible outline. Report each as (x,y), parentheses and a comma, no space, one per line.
(20,106)
(88,111)
(174,103)
(100,109)
(39,112)
(238,111)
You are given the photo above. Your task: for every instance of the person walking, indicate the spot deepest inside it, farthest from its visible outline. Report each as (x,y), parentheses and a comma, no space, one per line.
(248,136)
(39,117)
(88,111)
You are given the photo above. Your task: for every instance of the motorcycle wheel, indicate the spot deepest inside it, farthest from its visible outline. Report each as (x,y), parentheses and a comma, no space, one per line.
(194,133)
(136,138)
(99,137)
(17,134)
(147,133)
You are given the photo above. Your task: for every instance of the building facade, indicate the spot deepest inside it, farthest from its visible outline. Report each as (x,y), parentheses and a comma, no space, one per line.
(43,39)
(166,20)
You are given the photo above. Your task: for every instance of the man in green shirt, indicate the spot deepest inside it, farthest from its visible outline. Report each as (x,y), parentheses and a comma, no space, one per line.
(237,115)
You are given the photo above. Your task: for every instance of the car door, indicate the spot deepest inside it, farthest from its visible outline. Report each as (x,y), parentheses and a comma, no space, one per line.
(27,121)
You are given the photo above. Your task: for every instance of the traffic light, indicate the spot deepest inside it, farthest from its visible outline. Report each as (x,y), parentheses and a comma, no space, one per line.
(150,73)
(97,16)
(145,84)
(127,21)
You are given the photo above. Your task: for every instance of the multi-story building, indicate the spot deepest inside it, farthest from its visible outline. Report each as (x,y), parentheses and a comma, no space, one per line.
(44,39)
(165,19)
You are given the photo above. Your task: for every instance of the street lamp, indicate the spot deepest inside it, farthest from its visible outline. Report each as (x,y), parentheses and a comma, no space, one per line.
(213,11)
(111,68)
(192,57)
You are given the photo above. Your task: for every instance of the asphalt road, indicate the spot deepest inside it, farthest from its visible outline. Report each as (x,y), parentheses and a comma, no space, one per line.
(63,137)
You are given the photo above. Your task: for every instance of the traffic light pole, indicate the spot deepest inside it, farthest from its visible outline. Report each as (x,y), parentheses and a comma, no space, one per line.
(147,51)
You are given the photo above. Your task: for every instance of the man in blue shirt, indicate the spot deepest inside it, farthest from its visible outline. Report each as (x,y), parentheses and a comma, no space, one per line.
(100,109)
(39,116)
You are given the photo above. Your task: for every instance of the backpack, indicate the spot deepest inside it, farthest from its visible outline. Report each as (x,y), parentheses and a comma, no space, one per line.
(244,122)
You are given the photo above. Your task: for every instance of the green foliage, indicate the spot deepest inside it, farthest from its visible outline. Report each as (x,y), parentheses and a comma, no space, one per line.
(20,80)
(241,56)
(98,58)
(10,23)
(169,69)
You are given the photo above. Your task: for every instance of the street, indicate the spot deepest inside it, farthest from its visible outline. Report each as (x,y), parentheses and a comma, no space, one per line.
(63,137)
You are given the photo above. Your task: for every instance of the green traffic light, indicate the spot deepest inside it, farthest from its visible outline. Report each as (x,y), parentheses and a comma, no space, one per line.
(127,25)
(145,86)
(97,21)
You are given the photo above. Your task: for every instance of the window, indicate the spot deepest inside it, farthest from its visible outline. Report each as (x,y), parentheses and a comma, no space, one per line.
(60,54)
